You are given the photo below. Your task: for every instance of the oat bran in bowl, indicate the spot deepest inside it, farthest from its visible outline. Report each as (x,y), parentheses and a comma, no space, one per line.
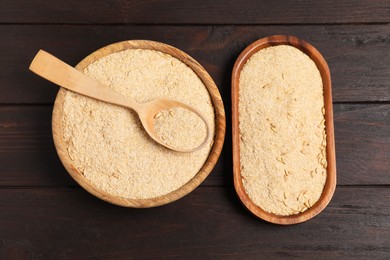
(283,137)
(104,147)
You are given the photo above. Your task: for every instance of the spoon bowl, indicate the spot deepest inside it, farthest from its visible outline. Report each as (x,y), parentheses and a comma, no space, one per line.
(147,114)
(51,68)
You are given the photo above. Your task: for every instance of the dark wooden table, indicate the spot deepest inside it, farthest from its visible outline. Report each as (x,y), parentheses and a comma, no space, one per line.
(44,214)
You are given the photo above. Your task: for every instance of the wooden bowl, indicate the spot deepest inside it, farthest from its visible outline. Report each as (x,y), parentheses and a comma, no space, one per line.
(220,126)
(330,184)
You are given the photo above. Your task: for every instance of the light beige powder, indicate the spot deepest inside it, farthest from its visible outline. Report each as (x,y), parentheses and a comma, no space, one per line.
(282,130)
(180,128)
(107,143)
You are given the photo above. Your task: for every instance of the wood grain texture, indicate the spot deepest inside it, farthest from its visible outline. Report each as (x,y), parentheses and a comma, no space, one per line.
(28,157)
(357,55)
(367,145)
(41,218)
(194,12)
(209,223)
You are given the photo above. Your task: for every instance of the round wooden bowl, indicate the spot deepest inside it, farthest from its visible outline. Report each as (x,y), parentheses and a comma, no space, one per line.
(220,126)
(330,184)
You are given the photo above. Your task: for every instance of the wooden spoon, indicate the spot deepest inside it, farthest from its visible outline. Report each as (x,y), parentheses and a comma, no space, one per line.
(53,69)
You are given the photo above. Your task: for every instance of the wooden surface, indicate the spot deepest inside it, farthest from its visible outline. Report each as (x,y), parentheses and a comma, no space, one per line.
(44,214)
(330,183)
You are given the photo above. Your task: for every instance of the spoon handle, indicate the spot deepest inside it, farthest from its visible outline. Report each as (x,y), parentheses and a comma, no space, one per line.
(53,69)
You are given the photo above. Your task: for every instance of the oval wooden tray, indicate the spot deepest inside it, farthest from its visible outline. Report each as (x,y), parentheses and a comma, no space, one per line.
(330,184)
(220,126)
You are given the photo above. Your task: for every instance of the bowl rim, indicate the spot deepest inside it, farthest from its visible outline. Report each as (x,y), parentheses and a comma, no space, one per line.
(330,183)
(215,151)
